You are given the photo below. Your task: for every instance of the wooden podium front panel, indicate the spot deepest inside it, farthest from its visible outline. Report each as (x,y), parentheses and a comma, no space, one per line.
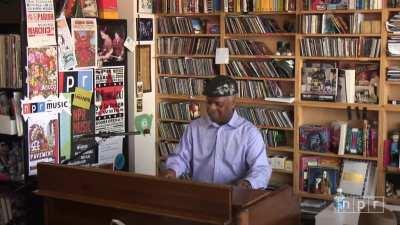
(65,212)
(136,193)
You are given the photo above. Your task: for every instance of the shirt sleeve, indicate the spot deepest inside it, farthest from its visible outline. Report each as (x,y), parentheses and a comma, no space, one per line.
(179,161)
(260,170)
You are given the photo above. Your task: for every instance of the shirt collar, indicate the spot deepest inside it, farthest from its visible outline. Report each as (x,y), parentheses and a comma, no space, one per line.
(233,122)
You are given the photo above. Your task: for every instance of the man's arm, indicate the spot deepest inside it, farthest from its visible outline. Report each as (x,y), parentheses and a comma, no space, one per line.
(179,162)
(256,157)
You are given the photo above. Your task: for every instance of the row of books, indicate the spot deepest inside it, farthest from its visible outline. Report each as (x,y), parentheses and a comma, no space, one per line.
(267,116)
(10,61)
(340,47)
(393,46)
(247,47)
(324,175)
(393,3)
(180,86)
(10,113)
(186,6)
(339,24)
(184,111)
(341,4)
(187,45)
(187,66)
(393,25)
(269,68)
(259,5)
(327,82)
(170,130)
(166,148)
(393,73)
(249,24)
(256,89)
(175,25)
(274,138)
(341,137)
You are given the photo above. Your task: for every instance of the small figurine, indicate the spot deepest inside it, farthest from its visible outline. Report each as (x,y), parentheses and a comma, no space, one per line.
(394,149)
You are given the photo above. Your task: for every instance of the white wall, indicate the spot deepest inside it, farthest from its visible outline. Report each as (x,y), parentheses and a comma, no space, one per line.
(142,151)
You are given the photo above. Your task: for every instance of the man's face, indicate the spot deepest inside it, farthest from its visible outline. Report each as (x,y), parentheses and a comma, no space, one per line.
(220,109)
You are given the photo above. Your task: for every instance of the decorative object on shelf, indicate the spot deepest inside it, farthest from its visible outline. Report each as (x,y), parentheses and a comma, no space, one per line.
(144,29)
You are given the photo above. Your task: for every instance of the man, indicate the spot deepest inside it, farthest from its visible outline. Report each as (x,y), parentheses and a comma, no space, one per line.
(222,147)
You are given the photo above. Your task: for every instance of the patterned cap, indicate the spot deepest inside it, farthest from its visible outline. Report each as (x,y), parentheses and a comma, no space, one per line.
(220,86)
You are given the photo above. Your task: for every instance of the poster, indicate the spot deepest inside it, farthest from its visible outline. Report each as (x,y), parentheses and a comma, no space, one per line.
(81,121)
(145,6)
(111,50)
(65,131)
(40,23)
(66,51)
(42,140)
(109,149)
(80,8)
(144,29)
(84,33)
(110,109)
(42,72)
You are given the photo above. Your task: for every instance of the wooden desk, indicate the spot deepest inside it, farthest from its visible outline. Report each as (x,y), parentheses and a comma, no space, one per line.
(84,196)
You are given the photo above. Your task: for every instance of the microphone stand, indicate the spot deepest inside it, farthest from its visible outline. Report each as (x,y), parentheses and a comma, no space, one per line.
(103,136)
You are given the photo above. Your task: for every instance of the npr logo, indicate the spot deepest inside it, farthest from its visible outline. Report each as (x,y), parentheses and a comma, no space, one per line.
(366,205)
(68,81)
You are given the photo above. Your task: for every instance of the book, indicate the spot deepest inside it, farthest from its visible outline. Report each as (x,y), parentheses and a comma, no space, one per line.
(353,177)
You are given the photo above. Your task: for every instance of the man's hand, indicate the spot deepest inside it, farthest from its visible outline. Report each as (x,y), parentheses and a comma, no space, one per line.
(244,184)
(168,174)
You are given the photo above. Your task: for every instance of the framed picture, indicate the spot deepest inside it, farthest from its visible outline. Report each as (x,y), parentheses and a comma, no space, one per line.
(111,38)
(145,6)
(143,65)
(144,28)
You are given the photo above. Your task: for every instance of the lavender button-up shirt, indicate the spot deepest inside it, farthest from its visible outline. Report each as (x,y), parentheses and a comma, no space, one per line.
(222,154)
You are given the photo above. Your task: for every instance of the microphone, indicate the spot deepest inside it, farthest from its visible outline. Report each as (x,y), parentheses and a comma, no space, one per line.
(102,135)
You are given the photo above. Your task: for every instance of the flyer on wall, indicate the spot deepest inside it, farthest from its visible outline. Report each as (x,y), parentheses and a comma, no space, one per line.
(110,109)
(42,72)
(84,34)
(66,52)
(40,23)
(42,140)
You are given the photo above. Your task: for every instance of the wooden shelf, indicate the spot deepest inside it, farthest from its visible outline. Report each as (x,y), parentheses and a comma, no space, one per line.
(393,9)
(261,57)
(345,156)
(185,76)
(392,108)
(341,35)
(262,13)
(181,97)
(247,35)
(391,200)
(175,120)
(317,196)
(189,35)
(168,140)
(11,89)
(259,102)
(281,149)
(183,56)
(274,128)
(342,11)
(266,78)
(393,170)
(282,171)
(393,58)
(392,82)
(338,105)
(366,59)
(189,14)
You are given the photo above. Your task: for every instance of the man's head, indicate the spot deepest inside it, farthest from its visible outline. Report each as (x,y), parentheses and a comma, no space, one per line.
(220,92)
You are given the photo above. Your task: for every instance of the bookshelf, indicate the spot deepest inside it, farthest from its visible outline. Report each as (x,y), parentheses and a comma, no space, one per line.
(302,111)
